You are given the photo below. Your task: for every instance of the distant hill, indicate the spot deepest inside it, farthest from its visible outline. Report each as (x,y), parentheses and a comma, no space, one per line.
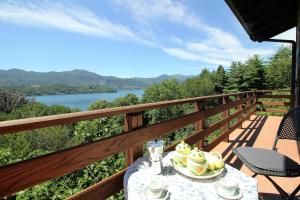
(77,78)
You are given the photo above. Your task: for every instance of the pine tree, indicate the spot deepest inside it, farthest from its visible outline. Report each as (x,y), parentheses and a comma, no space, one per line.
(220,79)
(278,71)
(235,77)
(254,74)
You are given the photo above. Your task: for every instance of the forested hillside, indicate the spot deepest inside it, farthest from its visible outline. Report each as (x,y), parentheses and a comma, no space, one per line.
(76,78)
(255,73)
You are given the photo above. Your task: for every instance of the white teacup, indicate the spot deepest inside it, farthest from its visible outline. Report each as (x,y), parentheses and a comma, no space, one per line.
(228,187)
(155,189)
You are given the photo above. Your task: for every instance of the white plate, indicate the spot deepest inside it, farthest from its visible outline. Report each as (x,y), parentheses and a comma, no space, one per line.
(226,196)
(188,173)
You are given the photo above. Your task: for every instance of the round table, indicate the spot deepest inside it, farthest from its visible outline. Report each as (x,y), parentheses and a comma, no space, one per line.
(181,187)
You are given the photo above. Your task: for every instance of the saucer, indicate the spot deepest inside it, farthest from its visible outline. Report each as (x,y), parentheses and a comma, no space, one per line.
(165,195)
(237,195)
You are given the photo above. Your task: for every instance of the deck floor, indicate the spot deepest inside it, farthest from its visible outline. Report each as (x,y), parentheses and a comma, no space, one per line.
(260,131)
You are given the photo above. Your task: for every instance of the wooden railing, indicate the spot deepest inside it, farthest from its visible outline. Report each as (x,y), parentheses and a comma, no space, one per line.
(21,175)
(273,101)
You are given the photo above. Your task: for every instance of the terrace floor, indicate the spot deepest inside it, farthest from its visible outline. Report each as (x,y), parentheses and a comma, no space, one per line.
(260,131)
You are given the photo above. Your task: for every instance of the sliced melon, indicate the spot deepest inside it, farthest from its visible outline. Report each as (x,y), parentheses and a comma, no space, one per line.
(198,171)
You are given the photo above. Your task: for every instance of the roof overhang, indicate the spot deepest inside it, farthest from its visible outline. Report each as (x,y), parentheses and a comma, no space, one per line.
(264,19)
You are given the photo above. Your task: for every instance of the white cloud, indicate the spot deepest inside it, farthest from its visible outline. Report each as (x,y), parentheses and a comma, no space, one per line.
(54,15)
(287,35)
(216,47)
(181,53)
(147,10)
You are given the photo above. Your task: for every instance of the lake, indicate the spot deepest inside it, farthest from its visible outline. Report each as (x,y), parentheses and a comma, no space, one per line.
(82,101)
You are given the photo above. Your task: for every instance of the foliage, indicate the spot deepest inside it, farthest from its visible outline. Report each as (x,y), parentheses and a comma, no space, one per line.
(278,71)
(9,100)
(198,86)
(31,90)
(219,79)
(75,78)
(166,90)
(246,76)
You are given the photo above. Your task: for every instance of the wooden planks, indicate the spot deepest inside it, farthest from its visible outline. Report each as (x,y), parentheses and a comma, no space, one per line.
(275,110)
(18,176)
(102,190)
(225,115)
(205,132)
(133,121)
(199,125)
(273,103)
(272,96)
(14,126)
(214,143)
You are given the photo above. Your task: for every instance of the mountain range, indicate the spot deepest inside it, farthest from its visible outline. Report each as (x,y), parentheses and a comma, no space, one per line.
(77,77)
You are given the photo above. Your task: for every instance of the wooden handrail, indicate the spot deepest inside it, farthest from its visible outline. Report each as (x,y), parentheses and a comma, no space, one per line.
(271,106)
(13,126)
(95,190)
(102,190)
(21,175)
(272,96)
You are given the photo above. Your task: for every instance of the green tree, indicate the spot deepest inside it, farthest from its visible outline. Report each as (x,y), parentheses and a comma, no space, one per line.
(246,76)
(10,100)
(278,71)
(253,74)
(198,86)
(166,90)
(234,77)
(220,79)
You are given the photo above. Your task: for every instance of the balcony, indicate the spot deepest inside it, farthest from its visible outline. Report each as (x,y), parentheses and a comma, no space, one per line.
(259,131)
(239,126)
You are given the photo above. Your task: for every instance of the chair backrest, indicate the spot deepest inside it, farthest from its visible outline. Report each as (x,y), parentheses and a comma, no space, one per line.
(289,127)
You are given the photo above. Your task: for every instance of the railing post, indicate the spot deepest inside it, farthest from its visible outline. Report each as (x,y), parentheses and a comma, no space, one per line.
(199,125)
(248,103)
(254,101)
(225,115)
(133,121)
(239,108)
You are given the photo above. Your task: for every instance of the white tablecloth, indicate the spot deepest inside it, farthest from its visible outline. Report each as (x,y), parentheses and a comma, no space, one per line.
(181,187)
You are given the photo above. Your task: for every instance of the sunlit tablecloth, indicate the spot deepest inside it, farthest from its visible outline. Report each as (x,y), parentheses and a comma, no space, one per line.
(181,187)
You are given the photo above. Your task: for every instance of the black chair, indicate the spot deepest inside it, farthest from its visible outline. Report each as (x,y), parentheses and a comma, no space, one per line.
(271,163)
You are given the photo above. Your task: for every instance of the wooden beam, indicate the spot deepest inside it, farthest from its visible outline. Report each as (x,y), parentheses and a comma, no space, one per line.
(273,103)
(205,132)
(133,121)
(225,115)
(102,190)
(281,96)
(199,125)
(274,110)
(240,107)
(214,143)
(14,126)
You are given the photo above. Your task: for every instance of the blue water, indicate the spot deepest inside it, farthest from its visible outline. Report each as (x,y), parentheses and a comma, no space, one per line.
(82,101)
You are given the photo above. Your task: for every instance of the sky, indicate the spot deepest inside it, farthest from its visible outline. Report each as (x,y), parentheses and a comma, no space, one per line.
(124,38)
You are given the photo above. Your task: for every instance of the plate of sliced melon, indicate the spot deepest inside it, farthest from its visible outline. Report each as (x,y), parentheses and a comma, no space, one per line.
(197,164)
